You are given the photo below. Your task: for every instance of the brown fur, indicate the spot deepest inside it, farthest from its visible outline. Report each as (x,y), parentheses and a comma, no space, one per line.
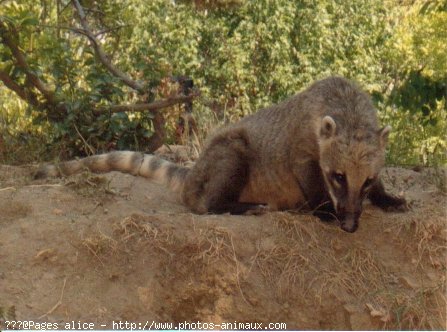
(285,156)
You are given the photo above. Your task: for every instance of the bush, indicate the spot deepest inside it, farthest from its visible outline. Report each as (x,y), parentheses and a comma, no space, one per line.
(242,55)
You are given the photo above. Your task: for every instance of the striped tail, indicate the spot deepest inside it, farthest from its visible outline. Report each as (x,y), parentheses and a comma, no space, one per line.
(135,163)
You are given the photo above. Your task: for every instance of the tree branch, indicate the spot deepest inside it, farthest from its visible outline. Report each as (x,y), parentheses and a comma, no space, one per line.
(60,27)
(156,105)
(110,30)
(10,84)
(9,38)
(103,56)
(27,95)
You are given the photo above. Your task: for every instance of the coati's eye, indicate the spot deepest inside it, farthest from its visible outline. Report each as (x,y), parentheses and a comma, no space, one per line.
(368,183)
(339,178)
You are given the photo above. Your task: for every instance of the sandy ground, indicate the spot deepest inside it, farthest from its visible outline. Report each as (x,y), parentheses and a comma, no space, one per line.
(106,248)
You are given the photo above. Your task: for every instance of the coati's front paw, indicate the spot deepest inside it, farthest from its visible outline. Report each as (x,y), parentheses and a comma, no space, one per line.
(394,204)
(380,198)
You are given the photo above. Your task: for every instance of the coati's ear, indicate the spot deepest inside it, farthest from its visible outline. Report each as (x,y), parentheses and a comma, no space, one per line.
(383,135)
(328,126)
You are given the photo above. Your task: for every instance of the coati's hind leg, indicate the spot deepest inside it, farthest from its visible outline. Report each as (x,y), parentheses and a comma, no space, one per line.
(215,182)
(379,197)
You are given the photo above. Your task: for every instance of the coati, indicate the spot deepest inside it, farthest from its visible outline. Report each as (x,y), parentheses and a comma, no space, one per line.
(321,149)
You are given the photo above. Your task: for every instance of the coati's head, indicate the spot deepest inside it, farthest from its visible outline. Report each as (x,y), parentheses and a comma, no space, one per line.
(350,163)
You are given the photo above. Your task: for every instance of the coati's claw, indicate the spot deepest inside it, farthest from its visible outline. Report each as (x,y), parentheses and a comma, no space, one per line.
(258,210)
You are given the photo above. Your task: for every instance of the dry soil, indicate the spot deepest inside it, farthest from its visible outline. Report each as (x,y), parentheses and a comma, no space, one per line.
(108,248)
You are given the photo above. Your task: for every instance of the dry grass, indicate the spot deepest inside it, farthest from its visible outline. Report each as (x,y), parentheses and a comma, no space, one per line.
(7,313)
(290,261)
(16,177)
(419,309)
(284,266)
(138,226)
(422,307)
(306,231)
(209,245)
(302,257)
(301,260)
(206,249)
(428,236)
(357,273)
(88,184)
(438,176)
(431,242)
(100,244)
(198,245)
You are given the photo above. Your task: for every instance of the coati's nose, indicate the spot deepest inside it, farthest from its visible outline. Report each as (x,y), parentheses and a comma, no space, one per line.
(349,226)
(350,222)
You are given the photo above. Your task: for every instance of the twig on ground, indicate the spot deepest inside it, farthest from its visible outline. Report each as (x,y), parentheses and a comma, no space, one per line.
(8,188)
(58,302)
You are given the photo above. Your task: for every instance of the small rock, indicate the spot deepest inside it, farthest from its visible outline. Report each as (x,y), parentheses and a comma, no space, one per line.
(377,311)
(58,212)
(409,282)
(46,254)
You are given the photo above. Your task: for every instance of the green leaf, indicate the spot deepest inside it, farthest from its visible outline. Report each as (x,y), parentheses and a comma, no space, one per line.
(29,21)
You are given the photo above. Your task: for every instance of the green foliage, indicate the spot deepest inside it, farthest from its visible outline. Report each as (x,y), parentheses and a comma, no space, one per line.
(242,55)
(420,38)
(260,52)
(418,62)
(66,63)
(419,139)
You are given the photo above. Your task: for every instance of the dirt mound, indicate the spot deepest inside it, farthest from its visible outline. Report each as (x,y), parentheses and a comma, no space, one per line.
(109,248)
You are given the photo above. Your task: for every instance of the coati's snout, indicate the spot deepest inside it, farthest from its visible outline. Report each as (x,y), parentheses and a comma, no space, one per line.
(348,210)
(349,221)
